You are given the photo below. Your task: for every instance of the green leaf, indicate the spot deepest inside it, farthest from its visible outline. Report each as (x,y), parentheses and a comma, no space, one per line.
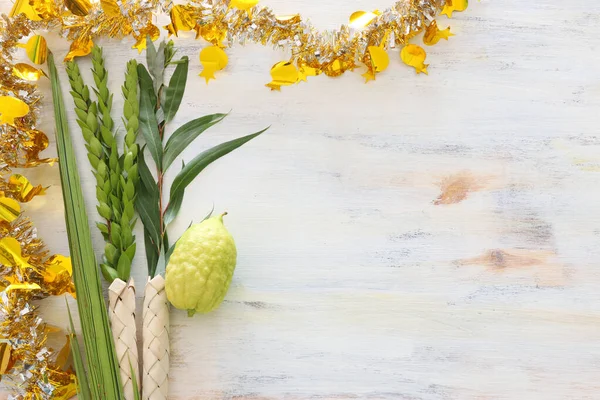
(194,167)
(146,177)
(149,127)
(174,92)
(146,83)
(83,386)
(131,251)
(136,391)
(147,207)
(185,134)
(161,264)
(124,267)
(151,253)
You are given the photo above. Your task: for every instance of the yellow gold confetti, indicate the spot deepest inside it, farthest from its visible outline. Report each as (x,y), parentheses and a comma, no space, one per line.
(149,30)
(283,73)
(79,48)
(27,72)
(11,108)
(454,5)
(433,34)
(80,8)
(22,286)
(111,8)
(379,62)
(36,49)
(23,190)
(213,59)
(183,18)
(414,56)
(360,19)
(23,7)
(5,350)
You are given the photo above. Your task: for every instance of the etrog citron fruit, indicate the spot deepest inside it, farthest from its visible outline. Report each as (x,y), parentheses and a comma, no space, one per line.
(201,267)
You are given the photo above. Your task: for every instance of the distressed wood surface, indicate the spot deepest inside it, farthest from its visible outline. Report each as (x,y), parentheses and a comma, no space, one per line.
(418,237)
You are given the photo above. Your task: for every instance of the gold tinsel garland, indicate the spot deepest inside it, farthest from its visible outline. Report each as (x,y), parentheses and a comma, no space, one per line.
(27,273)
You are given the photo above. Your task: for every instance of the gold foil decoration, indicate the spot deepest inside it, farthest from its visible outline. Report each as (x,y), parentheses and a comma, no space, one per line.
(360,19)
(23,190)
(288,19)
(57,276)
(5,350)
(10,253)
(211,34)
(414,56)
(22,286)
(27,72)
(183,18)
(379,61)
(111,8)
(23,7)
(305,70)
(213,59)
(433,34)
(454,5)
(244,5)
(63,355)
(283,73)
(149,30)
(80,47)
(80,8)
(11,108)
(36,49)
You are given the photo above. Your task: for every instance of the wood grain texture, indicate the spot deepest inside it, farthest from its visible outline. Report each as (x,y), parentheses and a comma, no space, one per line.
(419,237)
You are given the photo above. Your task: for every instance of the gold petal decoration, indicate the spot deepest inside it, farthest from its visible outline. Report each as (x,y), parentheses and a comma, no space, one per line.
(23,7)
(433,34)
(211,34)
(10,253)
(5,350)
(379,62)
(27,72)
(244,5)
(80,8)
(284,73)
(360,19)
(149,30)
(22,286)
(36,49)
(24,191)
(66,391)
(58,276)
(110,8)
(46,9)
(212,58)
(288,19)
(9,209)
(63,355)
(305,70)
(183,18)
(82,46)
(11,108)
(454,5)
(414,56)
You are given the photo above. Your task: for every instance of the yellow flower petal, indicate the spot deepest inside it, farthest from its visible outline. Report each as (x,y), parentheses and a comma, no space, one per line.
(414,56)
(11,108)
(27,72)
(283,73)
(212,58)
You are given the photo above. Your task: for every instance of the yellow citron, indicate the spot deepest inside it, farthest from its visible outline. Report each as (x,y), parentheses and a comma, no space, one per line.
(9,209)
(454,5)
(27,72)
(212,58)
(36,49)
(201,267)
(284,73)
(414,56)
(11,108)
(23,7)
(433,34)
(360,19)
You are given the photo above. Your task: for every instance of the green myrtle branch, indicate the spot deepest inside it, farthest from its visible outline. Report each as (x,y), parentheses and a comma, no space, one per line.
(116,177)
(159,102)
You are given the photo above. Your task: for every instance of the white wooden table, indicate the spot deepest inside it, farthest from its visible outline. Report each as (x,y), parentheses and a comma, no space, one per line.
(418,237)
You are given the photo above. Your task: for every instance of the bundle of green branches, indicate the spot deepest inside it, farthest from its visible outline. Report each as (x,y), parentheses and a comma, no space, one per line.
(116,182)
(159,103)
